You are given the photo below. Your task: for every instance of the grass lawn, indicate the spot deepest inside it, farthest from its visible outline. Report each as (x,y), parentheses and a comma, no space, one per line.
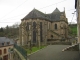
(74,30)
(34,49)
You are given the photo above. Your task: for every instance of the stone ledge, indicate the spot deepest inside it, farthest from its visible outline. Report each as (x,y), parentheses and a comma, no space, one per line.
(72,48)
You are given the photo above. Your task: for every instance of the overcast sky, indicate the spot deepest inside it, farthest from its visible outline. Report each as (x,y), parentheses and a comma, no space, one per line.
(12,11)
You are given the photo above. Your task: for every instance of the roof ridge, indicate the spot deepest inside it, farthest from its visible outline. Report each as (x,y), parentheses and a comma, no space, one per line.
(35,14)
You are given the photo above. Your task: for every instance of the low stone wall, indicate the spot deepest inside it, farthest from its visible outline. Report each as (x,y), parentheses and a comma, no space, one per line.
(72,48)
(18,56)
(59,43)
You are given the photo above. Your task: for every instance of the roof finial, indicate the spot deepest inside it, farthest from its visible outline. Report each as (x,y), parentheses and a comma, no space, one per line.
(34,7)
(64,9)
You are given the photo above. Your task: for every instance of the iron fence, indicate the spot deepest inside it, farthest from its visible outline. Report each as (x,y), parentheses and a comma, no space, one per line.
(21,50)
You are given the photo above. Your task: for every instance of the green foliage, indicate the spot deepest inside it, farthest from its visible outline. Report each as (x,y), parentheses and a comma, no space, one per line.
(73,30)
(33,49)
(1,29)
(10,31)
(2,32)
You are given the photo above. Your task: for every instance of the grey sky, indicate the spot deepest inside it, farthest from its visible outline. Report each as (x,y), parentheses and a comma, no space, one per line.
(12,11)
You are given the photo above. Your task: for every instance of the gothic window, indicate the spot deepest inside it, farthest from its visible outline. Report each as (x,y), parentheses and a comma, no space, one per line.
(48,25)
(27,27)
(34,25)
(55,26)
(41,32)
(34,32)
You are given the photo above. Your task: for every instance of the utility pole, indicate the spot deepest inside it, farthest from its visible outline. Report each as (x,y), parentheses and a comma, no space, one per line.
(78,25)
(77,7)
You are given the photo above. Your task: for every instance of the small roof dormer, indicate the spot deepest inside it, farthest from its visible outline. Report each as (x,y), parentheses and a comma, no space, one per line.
(5,41)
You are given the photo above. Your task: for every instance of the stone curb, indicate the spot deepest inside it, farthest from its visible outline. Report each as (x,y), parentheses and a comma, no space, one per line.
(68,47)
(36,51)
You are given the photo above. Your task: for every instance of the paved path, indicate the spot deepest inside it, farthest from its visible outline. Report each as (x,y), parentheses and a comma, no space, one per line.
(54,52)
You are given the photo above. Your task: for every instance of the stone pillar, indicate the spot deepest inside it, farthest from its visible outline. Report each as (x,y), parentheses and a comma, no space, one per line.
(20,35)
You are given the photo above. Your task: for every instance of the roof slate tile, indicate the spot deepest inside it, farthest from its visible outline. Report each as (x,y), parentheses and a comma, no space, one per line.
(35,14)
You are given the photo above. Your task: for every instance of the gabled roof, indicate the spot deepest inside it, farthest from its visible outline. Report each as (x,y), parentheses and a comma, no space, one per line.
(56,16)
(35,14)
(56,11)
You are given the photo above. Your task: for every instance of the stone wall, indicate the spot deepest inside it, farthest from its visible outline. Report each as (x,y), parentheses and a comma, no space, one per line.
(48,31)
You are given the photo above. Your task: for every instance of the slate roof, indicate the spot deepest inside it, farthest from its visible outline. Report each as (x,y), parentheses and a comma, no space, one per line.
(54,16)
(34,14)
(56,11)
(5,40)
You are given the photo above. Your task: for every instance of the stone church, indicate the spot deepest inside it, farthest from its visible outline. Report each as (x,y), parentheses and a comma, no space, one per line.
(41,28)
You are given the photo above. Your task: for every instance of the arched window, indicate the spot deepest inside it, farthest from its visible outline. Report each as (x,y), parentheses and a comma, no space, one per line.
(48,25)
(34,32)
(34,25)
(27,27)
(55,26)
(5,51)
(0,52)
(41,39)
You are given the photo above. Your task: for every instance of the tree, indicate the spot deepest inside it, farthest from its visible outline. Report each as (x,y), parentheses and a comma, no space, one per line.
(1,32)
(10,31)
(1,29)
